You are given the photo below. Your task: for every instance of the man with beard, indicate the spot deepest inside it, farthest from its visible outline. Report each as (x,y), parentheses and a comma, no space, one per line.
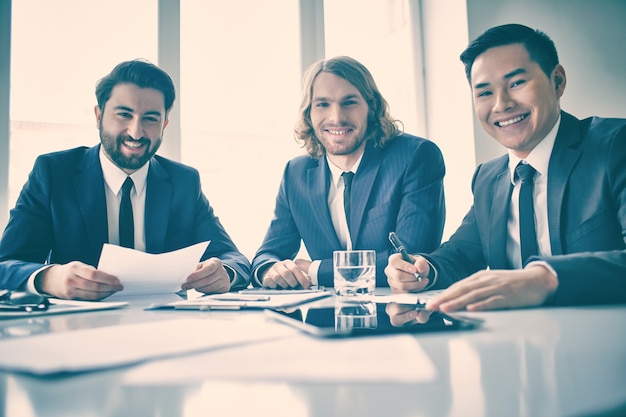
(70,205)
(396,182)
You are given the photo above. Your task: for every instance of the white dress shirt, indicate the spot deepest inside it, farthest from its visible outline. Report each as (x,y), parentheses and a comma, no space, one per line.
(538,158)
(337,211)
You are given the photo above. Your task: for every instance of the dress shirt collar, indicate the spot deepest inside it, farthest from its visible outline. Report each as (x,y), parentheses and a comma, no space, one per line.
(335,171)
(115,177)
(538,158)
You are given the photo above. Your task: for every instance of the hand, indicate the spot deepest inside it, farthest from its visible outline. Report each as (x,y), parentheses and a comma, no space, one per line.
(209,277)
(401,275)
(288,274)
(403,315)
(497,289)
(77,281)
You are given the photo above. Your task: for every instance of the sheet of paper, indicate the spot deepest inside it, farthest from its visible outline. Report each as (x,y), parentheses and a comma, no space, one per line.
(301,358)
(112,346)
(145,273)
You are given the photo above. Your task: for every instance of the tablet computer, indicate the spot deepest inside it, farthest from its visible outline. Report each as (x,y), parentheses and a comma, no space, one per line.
(369,318)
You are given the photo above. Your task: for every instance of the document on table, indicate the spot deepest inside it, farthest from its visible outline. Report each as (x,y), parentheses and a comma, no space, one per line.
(146,273)
(121,345)
(380,359)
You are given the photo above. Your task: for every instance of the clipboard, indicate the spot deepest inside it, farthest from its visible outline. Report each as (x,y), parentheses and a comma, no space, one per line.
(241,301)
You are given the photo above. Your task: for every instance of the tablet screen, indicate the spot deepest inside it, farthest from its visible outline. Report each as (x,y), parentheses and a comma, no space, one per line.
(369,318)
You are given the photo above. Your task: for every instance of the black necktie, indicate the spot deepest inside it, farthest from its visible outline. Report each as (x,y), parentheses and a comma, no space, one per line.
(347,190)
(528,236)
(127,227)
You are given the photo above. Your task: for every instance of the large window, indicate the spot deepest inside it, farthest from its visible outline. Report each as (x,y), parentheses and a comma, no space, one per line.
(59,51)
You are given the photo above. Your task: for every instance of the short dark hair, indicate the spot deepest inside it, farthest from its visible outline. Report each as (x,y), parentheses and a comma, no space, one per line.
(381,127)
(141,73)
(540,47)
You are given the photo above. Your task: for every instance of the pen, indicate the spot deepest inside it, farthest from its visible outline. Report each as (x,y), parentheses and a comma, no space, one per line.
(399,247)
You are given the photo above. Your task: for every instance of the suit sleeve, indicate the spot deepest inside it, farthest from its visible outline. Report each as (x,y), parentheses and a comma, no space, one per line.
(27,239)
(282,240)
(462,255)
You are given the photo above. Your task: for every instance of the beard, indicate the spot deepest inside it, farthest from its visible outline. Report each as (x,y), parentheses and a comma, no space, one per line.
(113,148)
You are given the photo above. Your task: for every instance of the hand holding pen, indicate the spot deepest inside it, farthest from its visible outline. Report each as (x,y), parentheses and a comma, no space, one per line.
(399,247)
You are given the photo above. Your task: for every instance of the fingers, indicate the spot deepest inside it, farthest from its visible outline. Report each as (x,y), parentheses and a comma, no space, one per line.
(403,315)
(209,277)
(405,277)
(286,274)
(77,281)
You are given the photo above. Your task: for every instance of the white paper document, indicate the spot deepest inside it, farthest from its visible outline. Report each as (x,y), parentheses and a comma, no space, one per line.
(146,273)
(301,358)
(408,298)
(113,346)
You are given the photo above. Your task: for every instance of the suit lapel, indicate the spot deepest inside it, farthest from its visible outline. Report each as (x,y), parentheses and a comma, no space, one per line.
(362,186)
(499,220)
(89,188)
(318,181)
(159,193)
(562,162)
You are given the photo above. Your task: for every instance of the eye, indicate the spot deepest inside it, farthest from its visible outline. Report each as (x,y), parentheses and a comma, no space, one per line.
(350,102)
(483,93)
(124,115)
(151,119)
(321,104)
(517,83)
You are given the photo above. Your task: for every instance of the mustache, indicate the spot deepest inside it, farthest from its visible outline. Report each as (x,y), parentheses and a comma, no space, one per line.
(124,138)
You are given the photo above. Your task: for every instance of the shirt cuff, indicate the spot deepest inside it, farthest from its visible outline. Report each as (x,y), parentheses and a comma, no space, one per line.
(432,276)
(313,272)
(30,283)
(256,276)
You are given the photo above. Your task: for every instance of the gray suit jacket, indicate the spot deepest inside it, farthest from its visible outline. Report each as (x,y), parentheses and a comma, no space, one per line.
(60,216)
(586,216)
(398,188)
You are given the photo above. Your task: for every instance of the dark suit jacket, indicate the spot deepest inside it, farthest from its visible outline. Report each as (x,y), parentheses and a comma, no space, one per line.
(60,216)
(397,188)
(586,216)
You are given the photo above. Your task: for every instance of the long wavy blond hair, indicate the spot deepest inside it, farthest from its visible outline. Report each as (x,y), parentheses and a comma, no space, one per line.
(381,127)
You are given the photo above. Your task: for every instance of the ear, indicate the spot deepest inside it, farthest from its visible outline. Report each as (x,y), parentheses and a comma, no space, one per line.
(98,114)
(560,80)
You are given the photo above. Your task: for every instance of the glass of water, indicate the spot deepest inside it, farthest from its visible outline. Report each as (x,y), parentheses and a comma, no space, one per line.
(354,272)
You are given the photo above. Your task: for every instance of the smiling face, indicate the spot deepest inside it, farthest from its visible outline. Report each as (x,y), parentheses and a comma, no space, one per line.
(515,101)
(339,117)
(131,125)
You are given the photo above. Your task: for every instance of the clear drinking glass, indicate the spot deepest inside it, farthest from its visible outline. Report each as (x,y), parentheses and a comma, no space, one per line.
(354,272)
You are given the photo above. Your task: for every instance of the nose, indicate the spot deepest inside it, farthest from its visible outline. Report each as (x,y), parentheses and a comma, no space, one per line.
(335,114)
(135,128)
(504,101)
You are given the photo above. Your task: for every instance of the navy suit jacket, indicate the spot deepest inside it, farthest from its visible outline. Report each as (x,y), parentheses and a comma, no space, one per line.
(586,216)
(398,188)
(60,216)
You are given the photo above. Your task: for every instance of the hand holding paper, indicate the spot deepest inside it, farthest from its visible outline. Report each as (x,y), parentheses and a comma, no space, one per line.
(145,273)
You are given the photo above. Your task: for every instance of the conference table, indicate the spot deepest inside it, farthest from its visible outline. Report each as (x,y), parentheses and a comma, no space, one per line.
(527,362)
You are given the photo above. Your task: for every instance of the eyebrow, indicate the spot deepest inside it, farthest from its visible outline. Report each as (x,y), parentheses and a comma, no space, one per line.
(347,97)
(507,76)
(130,110)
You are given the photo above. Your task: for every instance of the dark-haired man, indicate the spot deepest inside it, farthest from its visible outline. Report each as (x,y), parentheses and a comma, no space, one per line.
(71,204)
(555,238)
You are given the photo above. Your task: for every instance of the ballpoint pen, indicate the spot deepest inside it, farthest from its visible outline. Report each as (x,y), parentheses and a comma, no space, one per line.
(399,247)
